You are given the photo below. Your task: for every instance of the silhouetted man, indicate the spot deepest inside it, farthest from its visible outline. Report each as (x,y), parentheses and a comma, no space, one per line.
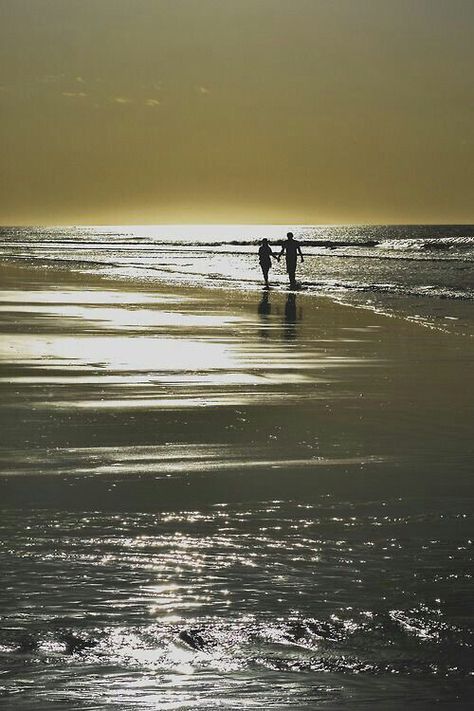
(291,248)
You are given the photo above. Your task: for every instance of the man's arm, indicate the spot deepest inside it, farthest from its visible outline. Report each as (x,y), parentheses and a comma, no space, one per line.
(300,253)
(283,247)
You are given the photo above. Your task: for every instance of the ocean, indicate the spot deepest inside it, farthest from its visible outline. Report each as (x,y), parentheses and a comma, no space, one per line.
(217,497)
(419,272)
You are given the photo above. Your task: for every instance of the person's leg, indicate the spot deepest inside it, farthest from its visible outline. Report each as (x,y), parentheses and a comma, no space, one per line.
(265,269)
(291,268)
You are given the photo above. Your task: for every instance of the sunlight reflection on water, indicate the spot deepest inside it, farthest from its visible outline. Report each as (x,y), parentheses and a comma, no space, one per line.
(183,539)
(214,605)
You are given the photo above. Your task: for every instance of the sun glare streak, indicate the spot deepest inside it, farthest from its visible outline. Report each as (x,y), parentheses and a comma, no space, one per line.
(76,296)
(115,353)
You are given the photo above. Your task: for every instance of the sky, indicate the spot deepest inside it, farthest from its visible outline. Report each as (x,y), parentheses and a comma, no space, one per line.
(236,111)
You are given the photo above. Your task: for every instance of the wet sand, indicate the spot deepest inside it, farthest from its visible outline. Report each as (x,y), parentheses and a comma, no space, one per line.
(225,500)
(133,396)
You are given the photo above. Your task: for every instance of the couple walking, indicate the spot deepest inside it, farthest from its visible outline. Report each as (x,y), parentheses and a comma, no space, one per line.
(290,248)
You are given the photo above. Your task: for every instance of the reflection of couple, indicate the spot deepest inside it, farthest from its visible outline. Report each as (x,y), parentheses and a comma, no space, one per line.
(290,248)
(289,319)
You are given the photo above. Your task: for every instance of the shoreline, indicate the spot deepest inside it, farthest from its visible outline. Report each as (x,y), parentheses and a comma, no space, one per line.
(272,385)
(434,312)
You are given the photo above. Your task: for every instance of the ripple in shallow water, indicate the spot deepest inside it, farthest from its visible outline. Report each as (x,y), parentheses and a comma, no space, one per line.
(236,605)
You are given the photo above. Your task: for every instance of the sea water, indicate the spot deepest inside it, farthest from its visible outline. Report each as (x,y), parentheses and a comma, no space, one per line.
(162,547)
(421,272)
(270,605)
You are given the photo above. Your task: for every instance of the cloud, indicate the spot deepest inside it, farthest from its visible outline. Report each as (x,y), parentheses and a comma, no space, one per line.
(52,78)
(122,100)
(74,94)
(80,80)
(152,102)
(203,90)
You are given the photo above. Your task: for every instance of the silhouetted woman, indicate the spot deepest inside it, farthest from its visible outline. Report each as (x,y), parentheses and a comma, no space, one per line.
(265,255)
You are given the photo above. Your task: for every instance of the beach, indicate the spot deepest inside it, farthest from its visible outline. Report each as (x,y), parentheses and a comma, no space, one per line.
(236,355)
(230,499)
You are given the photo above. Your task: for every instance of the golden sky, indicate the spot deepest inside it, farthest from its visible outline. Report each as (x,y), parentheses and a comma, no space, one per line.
(293,111)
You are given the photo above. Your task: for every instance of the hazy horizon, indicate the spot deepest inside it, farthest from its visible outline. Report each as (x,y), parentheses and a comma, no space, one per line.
(283,225)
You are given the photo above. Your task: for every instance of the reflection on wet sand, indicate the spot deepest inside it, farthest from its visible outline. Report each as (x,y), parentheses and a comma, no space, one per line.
(264,310)
(264,306)
(167,368)
(81,368)
(291,315)
(201,503)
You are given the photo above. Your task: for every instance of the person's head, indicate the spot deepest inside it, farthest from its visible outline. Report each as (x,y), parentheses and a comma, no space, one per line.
(289,235)
(264,240)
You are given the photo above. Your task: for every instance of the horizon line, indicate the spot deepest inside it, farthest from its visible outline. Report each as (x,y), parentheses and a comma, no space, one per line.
(239,224)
